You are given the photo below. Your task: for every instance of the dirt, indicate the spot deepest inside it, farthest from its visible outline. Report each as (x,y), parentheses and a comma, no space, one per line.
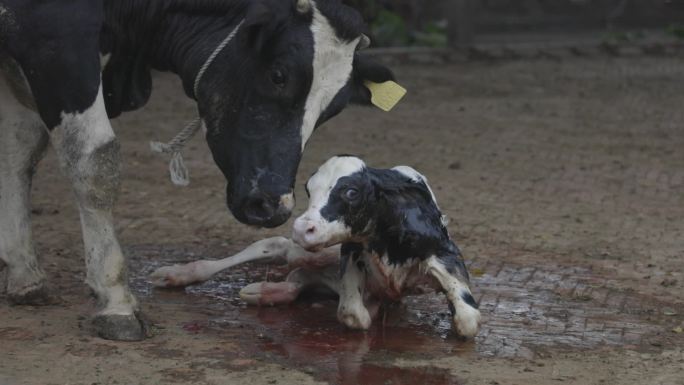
(564,182)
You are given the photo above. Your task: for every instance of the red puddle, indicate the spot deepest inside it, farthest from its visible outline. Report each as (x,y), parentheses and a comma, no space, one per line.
(310,338)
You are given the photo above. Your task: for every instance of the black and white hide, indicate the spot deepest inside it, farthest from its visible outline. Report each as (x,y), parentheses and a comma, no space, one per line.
(264,74)
(370,235)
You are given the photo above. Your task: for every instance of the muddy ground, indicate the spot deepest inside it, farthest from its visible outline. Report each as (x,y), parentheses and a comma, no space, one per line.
(564,182)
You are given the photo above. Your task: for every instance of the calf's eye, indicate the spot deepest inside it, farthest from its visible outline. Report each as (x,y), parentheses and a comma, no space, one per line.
(351,194)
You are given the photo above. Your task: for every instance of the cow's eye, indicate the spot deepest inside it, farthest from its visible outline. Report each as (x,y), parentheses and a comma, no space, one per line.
(351,194)
(278,77)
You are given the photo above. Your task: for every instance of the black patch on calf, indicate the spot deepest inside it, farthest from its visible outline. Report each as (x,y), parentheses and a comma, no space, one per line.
(452,309)
(468,298)
(408,222)
(349,250)
(396,213)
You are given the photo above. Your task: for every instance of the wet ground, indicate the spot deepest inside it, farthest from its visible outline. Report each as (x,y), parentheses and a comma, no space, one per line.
(564,182)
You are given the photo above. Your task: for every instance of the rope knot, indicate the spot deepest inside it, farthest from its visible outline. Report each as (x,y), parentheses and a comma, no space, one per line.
(177,169)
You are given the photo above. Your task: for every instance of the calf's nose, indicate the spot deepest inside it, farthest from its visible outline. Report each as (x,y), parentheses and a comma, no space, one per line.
(304,231)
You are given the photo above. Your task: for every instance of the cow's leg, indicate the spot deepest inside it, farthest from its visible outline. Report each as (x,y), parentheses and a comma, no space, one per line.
(65,81)
(23,139)
(351,310)
(281,293)
(463,307)
(89,154)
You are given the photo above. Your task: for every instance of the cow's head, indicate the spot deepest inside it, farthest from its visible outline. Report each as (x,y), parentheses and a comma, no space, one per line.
(292,66)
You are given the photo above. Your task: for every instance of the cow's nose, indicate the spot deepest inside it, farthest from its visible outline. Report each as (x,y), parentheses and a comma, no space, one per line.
(258,209)
(261,211)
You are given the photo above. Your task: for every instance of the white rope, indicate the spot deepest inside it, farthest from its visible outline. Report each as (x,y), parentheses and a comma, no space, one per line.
(177,169)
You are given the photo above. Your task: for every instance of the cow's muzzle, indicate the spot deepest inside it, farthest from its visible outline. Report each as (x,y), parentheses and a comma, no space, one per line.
(264,211)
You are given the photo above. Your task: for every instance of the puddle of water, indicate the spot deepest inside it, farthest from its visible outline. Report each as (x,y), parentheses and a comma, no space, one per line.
(307,335)
(525,309)
(302,331)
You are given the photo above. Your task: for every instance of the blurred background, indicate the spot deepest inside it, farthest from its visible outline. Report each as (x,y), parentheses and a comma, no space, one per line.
(463,23)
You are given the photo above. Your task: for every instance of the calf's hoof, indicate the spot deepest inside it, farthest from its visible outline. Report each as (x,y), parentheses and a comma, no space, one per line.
(35,296)
(467,321)
(175,276)
(121,327)
(358,319)
(270,293)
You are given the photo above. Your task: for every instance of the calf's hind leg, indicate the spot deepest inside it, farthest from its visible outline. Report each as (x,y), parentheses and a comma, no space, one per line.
(281,293)
(23,140)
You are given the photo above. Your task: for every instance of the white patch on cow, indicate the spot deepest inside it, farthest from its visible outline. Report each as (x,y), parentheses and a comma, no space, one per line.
(84,144)
(90,128)
(287,201)
(23,140)
(332,67)
(319,185)
(467,318)
(104,60)
(415,176)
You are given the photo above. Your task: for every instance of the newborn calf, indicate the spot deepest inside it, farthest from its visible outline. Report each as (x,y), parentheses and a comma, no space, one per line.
(370,235)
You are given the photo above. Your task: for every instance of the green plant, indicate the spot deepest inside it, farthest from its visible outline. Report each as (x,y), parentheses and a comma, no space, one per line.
(675,30)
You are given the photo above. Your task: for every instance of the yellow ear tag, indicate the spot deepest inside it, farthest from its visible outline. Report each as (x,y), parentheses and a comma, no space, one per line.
(385,95)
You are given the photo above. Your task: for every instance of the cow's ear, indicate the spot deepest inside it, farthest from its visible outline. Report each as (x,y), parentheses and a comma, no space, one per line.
(365,70)
(257,24)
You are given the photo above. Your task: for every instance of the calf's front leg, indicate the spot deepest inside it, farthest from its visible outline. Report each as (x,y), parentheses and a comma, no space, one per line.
(351,310)
(466,316)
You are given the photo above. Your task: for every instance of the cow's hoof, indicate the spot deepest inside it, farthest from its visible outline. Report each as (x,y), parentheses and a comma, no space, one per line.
(121,327)
(35,296)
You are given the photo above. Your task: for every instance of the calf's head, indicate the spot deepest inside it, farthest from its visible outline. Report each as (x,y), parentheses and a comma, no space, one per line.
(350,202)
(293,65)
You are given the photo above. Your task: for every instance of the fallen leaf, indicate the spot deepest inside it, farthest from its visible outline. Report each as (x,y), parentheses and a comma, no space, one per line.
(678,330)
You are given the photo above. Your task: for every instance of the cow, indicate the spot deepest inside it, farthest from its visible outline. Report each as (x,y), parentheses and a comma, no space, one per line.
(264,75)
(370,235)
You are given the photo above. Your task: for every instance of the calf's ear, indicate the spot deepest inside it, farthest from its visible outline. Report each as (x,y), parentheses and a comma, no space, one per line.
(365,70)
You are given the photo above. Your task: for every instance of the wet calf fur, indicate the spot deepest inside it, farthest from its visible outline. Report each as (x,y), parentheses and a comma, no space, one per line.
(370,235)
